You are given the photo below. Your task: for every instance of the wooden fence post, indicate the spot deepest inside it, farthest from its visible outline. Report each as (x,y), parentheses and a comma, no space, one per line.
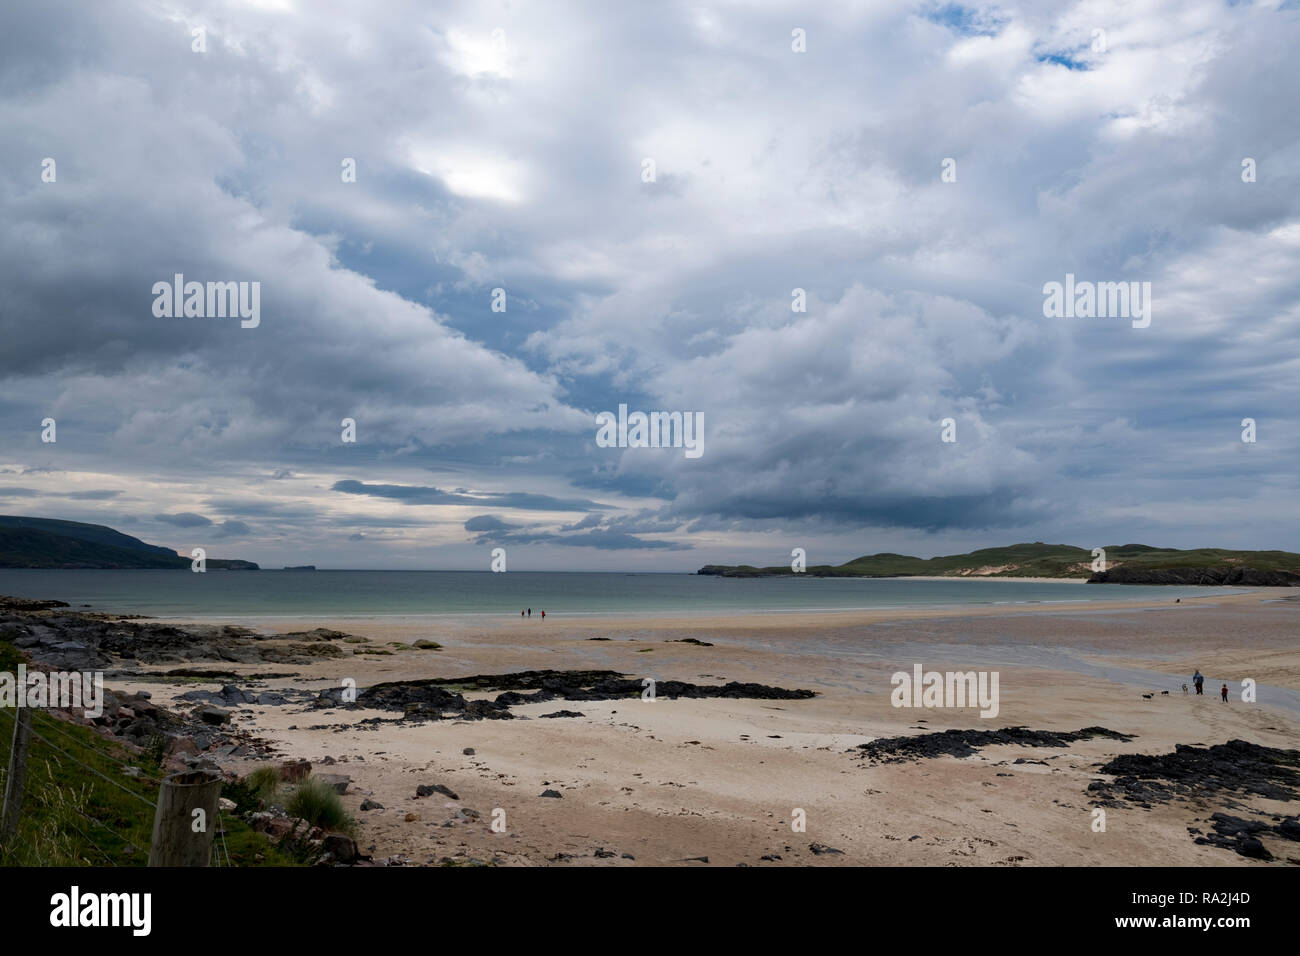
(13,800)
(182,836)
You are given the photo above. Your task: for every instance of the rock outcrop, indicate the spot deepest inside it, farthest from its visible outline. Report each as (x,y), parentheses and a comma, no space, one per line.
(1234,576)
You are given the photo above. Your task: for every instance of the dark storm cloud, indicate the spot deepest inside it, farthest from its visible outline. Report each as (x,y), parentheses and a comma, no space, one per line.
(600,540)
(417,495)
(184,519)
(94,495)
(489,523)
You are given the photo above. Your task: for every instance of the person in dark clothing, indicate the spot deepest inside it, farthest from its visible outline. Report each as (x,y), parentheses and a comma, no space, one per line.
(1224,692)
(1199,680)
(530,614)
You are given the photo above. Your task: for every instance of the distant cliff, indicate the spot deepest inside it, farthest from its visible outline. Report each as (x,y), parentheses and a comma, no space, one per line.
(52,543)
(1126,564)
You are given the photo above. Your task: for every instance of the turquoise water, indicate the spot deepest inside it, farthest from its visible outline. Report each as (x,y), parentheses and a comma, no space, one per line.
(220,594)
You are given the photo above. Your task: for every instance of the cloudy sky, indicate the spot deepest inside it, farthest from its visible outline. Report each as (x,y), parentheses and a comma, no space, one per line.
(504,146)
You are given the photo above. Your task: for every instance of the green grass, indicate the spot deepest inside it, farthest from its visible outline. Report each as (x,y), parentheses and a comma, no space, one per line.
(264,783)
(318,803)
(72,816)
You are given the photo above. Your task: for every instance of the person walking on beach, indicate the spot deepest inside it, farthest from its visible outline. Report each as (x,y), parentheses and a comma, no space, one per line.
(1199,680)
(543,615)
(1224,692)
(530,614)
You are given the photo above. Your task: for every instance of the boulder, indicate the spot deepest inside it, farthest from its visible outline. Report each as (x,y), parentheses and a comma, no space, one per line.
(213,715)
(180,746)
(339,781)
(293,771)
(342,848)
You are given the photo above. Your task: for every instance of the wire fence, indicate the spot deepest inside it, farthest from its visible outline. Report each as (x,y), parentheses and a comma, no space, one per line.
(74,812)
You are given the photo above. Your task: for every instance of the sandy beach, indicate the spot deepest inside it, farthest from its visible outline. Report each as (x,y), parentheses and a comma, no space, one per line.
(677,781)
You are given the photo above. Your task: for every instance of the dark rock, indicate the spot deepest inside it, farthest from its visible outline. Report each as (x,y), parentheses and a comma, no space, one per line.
(1235,576)
(339,781)
(552,793)
(965,743)
(293,771)
(429,699)
(820,849)
(213,715)
(1234,766)
(342,848)
(429,789)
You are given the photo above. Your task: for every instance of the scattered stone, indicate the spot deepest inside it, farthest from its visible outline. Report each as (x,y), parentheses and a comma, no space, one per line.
(820,849)
(369,804)
(429,789)
(552,793)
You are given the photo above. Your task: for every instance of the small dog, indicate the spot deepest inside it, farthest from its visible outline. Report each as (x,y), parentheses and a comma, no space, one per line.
(1184,688)
(1164,693)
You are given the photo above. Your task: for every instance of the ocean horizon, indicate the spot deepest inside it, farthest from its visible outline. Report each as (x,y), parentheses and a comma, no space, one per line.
(363,593)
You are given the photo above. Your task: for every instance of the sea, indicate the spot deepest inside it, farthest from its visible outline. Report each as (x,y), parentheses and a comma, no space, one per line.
(483,594)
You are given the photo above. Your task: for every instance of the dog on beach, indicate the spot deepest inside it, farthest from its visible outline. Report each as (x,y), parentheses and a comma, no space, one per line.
(1184,688)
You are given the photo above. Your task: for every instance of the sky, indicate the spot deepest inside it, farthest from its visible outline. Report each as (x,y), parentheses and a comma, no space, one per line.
(821,229)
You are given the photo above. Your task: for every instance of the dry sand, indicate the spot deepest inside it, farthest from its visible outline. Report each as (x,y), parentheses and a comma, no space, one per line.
(673,781)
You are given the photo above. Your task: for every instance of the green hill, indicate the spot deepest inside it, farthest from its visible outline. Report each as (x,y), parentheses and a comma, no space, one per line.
(52,543)
(1127,563)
